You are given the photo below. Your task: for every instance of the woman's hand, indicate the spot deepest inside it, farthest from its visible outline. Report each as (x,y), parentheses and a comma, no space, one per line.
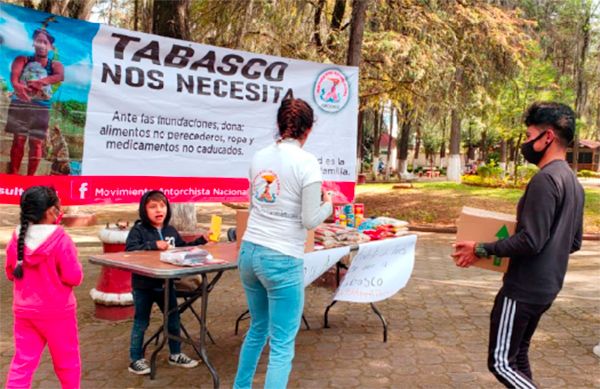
(21,92)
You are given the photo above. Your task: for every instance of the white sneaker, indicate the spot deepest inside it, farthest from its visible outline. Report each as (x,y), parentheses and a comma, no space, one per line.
(139,367)
(182,360)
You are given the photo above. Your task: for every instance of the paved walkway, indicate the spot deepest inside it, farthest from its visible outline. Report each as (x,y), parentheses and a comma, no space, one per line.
(438,328)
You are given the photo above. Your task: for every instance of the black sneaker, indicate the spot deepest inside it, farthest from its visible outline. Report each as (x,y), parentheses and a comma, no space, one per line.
(182,360)
(139,367)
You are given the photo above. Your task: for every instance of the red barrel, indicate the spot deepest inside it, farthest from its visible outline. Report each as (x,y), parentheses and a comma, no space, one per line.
(112,294)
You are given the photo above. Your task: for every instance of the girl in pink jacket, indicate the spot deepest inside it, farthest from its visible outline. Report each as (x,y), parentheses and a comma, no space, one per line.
(41,260)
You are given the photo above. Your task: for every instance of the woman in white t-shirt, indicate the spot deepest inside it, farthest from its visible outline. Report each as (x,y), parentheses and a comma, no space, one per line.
(285,202)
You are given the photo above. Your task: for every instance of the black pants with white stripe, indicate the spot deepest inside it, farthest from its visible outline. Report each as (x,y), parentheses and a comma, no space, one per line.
(512,325)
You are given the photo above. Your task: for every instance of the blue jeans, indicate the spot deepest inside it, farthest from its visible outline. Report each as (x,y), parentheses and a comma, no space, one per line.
(275,293)
(142,301)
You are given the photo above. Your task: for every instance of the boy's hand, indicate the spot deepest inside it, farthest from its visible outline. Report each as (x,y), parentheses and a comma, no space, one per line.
(162,244)
(464,253)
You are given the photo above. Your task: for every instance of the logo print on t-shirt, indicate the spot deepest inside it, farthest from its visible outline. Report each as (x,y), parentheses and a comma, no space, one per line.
(266,184)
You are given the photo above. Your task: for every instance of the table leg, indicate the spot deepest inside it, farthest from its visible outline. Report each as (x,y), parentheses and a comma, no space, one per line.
(325,316)
(165,332)
(373,307)
(305,322)
(243,316)
(383,321)
(203,330)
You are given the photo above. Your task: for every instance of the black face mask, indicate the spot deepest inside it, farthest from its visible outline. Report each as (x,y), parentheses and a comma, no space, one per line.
(530,154)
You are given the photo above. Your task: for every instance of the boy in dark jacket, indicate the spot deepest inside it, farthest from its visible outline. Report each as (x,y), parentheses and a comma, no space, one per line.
(152,232)
(549,228)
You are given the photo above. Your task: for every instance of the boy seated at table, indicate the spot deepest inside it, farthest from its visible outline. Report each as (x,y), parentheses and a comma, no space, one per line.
(153,232)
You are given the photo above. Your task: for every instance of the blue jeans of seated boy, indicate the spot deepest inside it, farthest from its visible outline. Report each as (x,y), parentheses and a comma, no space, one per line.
(142,301)
(274,286)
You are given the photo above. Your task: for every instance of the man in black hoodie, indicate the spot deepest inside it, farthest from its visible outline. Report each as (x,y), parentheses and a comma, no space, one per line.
(549,228)
(152,232)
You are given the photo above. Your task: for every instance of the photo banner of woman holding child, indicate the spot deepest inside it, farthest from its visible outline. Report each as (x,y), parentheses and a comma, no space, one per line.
(104,114)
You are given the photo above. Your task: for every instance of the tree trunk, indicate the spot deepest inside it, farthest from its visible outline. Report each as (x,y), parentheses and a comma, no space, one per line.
(359,140)
(516,158)
(244,25)
(581,89)
(407,121)
(81,9)
(389,145)
(376,132)
(170,18)
(110,10)
(483,146)
(503,150)
(317,25)
(454,167)
(339,9)
(454,163)
(417,145)
(357,28)
(146,20)
(57,7)
(443,144)
(136,15)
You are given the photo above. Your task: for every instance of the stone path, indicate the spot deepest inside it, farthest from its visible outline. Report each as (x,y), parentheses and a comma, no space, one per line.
(438,328)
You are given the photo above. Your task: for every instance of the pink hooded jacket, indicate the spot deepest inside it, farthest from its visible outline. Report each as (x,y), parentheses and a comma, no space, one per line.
(50,271)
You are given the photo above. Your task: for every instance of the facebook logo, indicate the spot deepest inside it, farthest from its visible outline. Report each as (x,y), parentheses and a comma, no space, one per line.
(82,189)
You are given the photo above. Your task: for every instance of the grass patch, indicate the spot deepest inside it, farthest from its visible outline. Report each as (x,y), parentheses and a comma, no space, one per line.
(439,203)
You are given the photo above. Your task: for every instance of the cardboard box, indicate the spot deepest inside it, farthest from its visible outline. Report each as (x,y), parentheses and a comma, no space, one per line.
(241,221)
(484,226)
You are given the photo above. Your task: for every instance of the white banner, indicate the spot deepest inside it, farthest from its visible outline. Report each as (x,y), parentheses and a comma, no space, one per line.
(379,270)
(127,112)
(162,107)
(318,262)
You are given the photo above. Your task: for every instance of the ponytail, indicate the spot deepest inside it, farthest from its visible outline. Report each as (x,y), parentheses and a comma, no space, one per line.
(18,272)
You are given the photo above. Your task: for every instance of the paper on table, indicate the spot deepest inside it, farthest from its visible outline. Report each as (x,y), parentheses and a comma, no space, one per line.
(379,270)
(188,256)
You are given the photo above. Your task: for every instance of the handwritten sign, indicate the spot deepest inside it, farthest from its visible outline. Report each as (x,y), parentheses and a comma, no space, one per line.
(317,262)
(379,270)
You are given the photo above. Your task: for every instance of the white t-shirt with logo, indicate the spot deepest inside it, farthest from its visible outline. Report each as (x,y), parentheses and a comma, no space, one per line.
(277,176)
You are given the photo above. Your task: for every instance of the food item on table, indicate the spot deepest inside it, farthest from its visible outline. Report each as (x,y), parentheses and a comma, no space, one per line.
(342,220)
(337,212)
(331,235)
